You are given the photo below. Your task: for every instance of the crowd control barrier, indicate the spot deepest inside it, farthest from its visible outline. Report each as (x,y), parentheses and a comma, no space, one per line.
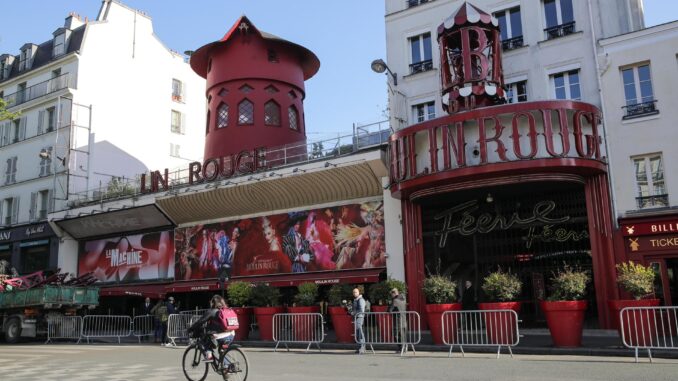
(143,325)
(64,327)
(195,312)
(95,326)
(649,328)
(177,326)
(298,328)
(480,328)
(383,328)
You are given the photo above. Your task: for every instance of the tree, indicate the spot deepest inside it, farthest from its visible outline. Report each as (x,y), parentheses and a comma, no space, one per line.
(4,114)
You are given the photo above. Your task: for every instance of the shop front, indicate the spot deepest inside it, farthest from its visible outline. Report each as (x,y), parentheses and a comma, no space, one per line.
(30,248)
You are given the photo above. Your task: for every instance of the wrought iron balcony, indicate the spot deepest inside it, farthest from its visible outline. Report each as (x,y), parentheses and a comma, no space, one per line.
(640,109)
(657,201)
(414,3)
(512,43)
(421,66)
(559,30)
(38,90)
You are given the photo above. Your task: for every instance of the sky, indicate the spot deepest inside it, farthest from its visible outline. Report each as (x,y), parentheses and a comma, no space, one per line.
(346,35)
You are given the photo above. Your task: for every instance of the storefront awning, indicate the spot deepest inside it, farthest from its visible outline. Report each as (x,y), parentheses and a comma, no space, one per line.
(153,291)
(191,286)
(115,222)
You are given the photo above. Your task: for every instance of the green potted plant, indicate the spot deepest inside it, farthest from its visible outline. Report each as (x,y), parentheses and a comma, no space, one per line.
(638,281)
(379,293)
(238,298)
(501,289)
(564,309)
(266,302)
(338,297)
(305,302)
(441,296)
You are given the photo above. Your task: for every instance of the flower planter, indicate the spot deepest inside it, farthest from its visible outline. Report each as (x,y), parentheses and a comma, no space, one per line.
(640,325)
(565,320)
(265,321)
(342,323)
(384,322)
(434,317)
(304,327)
(243,331)
(500,326)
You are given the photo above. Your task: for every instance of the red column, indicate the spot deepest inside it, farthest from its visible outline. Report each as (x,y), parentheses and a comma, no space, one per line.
(414,258)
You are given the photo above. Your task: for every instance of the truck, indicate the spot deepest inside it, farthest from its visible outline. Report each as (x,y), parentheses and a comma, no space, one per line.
(24,312)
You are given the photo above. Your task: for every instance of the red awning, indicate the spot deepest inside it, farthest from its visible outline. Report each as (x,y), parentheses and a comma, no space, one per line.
(190,286)
(142,290)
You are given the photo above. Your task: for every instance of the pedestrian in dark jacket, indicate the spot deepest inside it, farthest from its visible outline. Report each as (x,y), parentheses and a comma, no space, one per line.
(358,313)
(398,309)
(468,297)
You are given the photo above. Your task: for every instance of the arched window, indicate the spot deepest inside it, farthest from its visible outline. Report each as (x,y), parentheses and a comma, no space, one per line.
(222,115)
(207,123)
(294,118)
(246,112)
(271,113)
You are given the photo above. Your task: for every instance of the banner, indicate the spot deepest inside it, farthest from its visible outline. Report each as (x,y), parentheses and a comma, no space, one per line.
(129,258)
(326,239)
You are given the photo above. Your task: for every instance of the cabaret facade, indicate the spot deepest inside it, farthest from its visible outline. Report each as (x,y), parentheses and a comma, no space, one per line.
(521,187)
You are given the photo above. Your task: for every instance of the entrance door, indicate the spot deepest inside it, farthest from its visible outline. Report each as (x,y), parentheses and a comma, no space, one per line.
(672,281)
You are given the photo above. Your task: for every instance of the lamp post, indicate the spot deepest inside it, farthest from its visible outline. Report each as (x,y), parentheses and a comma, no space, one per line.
(379,66)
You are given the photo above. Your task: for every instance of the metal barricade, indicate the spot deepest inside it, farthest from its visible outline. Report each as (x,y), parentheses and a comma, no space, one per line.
(94,326)
(177,326)
(143,325)
(298,328)
(480,328)
(64,327)
(397,328)
(649,328)
(195,312)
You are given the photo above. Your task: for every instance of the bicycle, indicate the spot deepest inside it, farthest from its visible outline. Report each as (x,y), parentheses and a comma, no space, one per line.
(231,363)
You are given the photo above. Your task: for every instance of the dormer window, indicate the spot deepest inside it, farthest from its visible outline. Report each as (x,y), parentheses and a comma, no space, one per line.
(23,57)
(59,45)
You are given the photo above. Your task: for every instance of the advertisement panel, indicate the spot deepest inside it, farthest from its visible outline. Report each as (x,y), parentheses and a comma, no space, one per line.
(334,238)
(129,258)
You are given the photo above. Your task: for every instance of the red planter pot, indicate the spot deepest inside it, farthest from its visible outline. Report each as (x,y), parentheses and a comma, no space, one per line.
(265,321)
(639,327)
(243,331)
(500,327)
(434,317)
(384,323)
(304,326)
(342,323)
(565,320)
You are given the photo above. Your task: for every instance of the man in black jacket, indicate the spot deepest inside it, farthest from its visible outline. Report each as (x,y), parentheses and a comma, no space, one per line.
(399,305)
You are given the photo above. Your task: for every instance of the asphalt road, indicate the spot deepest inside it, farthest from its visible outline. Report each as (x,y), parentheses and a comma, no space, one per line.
(100,362)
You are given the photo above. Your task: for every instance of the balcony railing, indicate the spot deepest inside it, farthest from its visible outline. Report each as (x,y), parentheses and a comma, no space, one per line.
(38,90)
(640,109)
(414,3)
(421,66)
(512,43)
(559,30)
(658,201)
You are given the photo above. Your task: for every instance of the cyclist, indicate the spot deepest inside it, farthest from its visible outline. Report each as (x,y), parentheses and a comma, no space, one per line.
(217,332)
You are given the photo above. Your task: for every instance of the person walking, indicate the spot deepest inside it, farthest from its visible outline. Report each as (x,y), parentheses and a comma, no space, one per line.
(358,313)
(399,305)
(468,296)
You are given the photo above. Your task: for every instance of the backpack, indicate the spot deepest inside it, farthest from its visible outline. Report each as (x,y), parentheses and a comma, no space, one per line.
(228,319)
(162,313)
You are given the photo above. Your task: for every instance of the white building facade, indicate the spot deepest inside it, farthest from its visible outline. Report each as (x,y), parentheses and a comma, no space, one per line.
(98,103)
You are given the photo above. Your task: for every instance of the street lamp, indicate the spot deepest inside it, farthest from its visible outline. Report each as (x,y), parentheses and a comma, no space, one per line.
(379,66)
(47,154)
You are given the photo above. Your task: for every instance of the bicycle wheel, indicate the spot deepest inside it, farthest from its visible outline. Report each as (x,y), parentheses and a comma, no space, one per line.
(194,368)
(233,365)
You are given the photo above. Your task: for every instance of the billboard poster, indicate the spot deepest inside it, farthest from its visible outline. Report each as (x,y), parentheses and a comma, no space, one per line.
(129,258)
(326,239)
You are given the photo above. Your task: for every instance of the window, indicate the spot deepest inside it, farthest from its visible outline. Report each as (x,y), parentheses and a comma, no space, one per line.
(517,92)
(223,92)
(271,113)
(41,204)
(559,18)
(423,112)
(420,48)
(4,69)
(414,3)
(246,112)
(16,126)
(177,90)
(566,85)
(10,210)
(46,162)
(650,182)
(51,118)
(207,123)
(21,95)
(59,45)
(272,56)
(222,116)
(174,150)
(511,28)
(293,116)
(177,126)
(10,170)
(22,60)
(246,88)
(638,92)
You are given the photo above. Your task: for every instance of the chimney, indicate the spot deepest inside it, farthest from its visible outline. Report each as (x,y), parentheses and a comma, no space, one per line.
(73,21)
